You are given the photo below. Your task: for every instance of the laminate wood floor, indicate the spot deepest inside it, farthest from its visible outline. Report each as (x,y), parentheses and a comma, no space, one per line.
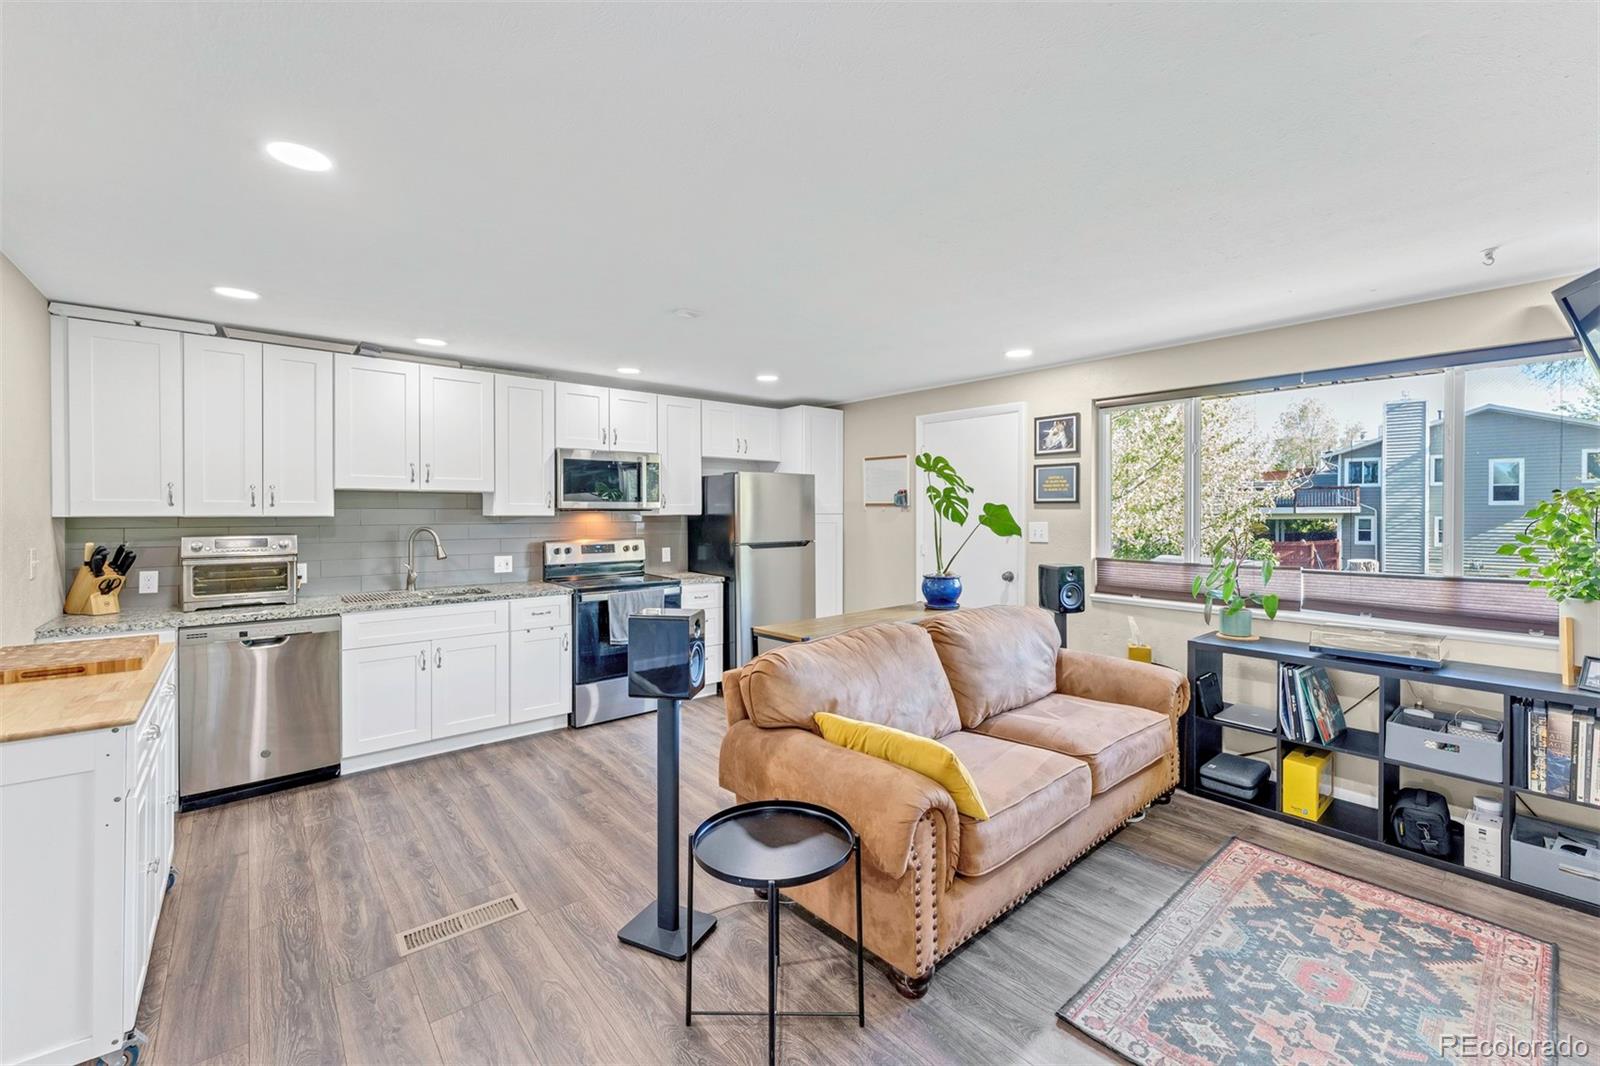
(277,944)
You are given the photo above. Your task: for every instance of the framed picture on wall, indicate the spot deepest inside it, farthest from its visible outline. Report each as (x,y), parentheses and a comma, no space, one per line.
(1055,483)
(1055,435)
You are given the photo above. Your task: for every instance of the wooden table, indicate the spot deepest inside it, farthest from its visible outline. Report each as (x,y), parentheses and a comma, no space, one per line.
(816,628)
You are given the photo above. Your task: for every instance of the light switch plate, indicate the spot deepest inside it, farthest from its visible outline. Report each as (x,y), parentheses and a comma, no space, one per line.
(1038,532)
(666,554)
(502,564)
(147,580)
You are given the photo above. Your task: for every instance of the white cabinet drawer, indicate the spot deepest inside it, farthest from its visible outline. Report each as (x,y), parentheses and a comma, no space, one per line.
(714,629)
(703,595)
(372,629)
(543,611)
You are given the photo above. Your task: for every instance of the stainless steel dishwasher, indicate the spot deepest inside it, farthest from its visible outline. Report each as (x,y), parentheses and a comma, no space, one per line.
(258,707)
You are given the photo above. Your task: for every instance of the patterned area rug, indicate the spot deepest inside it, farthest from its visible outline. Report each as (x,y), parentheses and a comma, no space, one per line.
(1262,958)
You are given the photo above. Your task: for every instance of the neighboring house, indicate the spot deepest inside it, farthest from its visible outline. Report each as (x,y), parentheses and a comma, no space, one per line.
(1386,493)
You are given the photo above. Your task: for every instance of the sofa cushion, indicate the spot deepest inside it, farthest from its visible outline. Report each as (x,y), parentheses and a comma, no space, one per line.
(997,658)
(1117,741)
(925,755)
(887,674)
(1028,791)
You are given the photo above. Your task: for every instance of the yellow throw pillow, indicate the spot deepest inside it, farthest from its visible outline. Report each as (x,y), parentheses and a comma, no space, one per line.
(925,756)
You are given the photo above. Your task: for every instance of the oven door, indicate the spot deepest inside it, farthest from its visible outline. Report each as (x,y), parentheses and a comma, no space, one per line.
(594,658)
(607,481)
(236,582)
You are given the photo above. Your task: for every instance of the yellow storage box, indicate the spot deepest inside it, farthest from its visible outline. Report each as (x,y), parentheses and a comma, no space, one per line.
(1307,783)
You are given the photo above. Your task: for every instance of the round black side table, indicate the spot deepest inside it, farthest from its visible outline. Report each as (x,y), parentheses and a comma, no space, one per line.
(771,845)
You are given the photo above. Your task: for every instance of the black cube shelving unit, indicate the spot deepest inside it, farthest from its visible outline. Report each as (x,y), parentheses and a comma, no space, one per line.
(1201,738)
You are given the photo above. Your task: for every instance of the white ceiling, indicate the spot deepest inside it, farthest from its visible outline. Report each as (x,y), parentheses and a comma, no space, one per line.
(863,198)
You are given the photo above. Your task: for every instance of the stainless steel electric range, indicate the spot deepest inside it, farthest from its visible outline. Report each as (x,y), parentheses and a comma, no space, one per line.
(600,574)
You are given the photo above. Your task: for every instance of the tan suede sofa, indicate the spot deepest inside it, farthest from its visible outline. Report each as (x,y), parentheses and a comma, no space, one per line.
(1064,747)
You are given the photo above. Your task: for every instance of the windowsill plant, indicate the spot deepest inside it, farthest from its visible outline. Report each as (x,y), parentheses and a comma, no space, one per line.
(1560,553)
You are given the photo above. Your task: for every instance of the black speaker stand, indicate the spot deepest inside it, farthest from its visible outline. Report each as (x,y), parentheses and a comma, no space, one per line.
(663,927)
(1061,626)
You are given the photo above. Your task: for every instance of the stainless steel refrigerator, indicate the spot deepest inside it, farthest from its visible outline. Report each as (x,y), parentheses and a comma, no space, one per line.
(758,531)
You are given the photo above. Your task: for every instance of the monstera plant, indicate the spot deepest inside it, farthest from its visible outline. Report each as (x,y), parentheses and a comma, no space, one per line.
(950,494)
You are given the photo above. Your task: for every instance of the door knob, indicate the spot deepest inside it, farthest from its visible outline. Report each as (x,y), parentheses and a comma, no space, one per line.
(1008,576)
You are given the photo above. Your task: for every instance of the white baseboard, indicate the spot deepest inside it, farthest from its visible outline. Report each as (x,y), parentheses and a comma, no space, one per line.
(355,764)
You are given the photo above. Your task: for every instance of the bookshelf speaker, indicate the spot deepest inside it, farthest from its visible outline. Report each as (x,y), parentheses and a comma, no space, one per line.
(1061,588)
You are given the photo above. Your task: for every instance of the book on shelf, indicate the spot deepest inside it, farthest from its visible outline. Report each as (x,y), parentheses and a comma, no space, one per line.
(1558,754)
(1308,706)
(1329,712)
(1563,758)
(1538,736)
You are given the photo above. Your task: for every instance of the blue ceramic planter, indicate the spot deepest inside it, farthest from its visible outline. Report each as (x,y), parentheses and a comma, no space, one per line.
(941,592)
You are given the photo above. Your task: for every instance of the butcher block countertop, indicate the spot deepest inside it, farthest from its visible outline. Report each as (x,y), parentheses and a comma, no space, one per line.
(79,704)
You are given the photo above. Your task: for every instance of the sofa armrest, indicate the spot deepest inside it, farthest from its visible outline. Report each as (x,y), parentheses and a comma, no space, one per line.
(882,801)
(1112,680)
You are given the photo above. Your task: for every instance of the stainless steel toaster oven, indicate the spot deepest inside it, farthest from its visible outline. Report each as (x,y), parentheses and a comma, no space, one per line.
(239,571)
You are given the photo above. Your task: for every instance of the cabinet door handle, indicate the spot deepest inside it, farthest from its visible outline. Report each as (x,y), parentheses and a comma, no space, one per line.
(170,501)
(252,495)
(272,495)
(564,638)
(422,660)
(413,473)
(427,473)
(438,658)
(549,498)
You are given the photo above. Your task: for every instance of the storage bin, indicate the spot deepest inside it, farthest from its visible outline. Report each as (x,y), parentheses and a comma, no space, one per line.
(1575,876)
(1478,758)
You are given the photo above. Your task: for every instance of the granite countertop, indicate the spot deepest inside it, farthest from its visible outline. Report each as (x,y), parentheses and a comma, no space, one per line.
(150,619)
(79,704)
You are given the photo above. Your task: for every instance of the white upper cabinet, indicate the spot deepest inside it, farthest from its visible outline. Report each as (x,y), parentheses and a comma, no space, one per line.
(296,431)
(583,416)
(524,447)
(633,421)
(738,431)
(602,419)
(222,427)
(377,423)
(813,443)
(678,425)
(123,409)
(758,428)
(457,425)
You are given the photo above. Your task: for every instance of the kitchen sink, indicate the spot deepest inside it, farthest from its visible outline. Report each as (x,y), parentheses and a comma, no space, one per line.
(363,599)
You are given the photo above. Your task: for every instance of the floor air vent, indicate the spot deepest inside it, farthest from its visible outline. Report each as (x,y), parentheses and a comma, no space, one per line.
(453,925)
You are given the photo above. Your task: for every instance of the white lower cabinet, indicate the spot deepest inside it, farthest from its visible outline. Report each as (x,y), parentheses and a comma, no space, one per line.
(471,676)
(86,835)
(388,697)
(707,596)
(433,678)
(541,674)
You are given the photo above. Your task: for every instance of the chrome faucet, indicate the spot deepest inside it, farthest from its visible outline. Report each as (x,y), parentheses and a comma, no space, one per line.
(411,554)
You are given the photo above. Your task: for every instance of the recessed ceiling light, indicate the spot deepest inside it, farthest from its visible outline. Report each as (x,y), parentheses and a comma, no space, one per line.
(298,156)
(627,370)
(431,342)
(1019,353)
(235,294)
(766,379)
(686,312)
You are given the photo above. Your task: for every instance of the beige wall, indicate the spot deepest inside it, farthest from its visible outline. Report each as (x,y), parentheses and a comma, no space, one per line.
(25,523)
(880,542)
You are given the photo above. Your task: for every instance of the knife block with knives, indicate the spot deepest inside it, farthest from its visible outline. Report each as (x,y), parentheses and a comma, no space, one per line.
(97,585)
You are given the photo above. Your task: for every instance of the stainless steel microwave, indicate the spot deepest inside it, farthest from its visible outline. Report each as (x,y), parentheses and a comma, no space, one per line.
(607,481)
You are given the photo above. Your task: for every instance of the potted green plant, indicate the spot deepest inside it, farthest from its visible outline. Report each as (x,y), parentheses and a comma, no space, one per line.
(1560,553)
(1221,585)
(949,494)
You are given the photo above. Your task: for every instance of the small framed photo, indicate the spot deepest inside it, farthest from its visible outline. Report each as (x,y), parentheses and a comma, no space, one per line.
(1055,435)
(1589,675)
(1055,483)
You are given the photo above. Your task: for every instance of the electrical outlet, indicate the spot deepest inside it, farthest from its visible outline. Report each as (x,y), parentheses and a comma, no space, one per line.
(300,572)
(147,581)
(502,564)
(1038,532)
(666,554)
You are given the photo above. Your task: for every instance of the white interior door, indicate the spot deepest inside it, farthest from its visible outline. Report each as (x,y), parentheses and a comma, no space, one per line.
(986,446)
